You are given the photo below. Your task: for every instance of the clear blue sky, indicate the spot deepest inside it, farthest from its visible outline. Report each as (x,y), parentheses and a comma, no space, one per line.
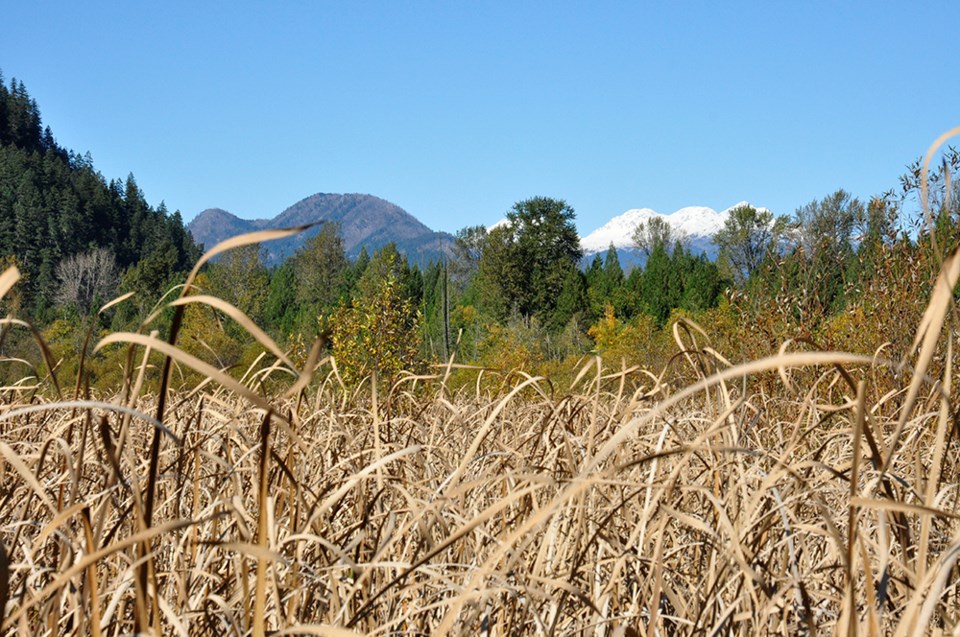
(455,110)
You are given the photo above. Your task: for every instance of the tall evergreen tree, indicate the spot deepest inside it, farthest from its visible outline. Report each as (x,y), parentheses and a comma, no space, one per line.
(320,268)
(660,286)
(572,301)
(282,308)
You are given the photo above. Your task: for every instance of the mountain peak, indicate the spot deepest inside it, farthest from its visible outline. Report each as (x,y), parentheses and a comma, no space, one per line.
(698,223)
(364,220)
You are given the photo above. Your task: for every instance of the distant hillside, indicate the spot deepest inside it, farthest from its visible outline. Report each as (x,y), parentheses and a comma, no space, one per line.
(364,220)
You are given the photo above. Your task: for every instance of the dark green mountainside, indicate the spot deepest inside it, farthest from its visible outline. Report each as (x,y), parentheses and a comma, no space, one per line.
(55,205)
(364,221)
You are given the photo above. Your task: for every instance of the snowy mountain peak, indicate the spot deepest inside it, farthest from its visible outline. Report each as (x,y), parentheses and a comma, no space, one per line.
(698,223)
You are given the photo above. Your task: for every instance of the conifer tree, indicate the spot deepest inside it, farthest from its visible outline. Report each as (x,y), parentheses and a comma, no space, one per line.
(320,269)
(659,290)
(572,300)
(282,307)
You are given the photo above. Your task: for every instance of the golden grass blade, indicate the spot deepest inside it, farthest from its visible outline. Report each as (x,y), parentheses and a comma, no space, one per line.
(860,416)
(260,594)
(240,241)
(93,592)
(120,299)
(242,319)
(184,358)
(8,279)
(928,335)
(873,623)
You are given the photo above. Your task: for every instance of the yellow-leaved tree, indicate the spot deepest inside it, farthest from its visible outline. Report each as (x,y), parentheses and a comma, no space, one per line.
(380,330)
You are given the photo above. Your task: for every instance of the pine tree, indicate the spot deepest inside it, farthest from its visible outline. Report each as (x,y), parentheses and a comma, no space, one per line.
(281,307)
(659,293)
(320,268)
(572,300)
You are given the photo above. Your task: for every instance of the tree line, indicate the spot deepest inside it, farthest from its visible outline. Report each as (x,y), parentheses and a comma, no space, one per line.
(516,295)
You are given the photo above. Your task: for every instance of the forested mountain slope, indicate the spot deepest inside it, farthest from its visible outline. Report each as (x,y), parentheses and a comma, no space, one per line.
(54,205)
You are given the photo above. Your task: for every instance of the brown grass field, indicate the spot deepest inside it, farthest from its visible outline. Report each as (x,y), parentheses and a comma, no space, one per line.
(805,493)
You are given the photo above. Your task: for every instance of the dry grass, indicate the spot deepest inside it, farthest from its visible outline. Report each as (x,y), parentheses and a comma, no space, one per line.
(695,512)
(621,506)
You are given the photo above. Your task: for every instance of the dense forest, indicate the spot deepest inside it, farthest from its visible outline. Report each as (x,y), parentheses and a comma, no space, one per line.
(519,296)
(73,235)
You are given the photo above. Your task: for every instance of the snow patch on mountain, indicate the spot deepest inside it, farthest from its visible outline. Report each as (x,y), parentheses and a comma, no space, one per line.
(503,223)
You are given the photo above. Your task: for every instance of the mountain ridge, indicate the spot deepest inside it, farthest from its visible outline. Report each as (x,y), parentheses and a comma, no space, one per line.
(697,223)
(365,221)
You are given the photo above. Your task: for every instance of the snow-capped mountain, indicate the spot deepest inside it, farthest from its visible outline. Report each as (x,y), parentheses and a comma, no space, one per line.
(697,223)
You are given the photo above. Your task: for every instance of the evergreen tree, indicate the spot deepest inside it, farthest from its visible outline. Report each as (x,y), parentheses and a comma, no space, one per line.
(702,284)
(660,285)
(355,271)
(606,285)
(435,307)
(320,268)
(572,301)
(282,308)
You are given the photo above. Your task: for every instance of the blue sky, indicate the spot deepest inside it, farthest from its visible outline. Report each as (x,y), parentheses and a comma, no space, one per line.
(456,110)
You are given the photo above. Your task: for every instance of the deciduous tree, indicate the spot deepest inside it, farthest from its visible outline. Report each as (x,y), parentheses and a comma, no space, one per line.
(524,262)
(747,237)
(87,280)
(656,231)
